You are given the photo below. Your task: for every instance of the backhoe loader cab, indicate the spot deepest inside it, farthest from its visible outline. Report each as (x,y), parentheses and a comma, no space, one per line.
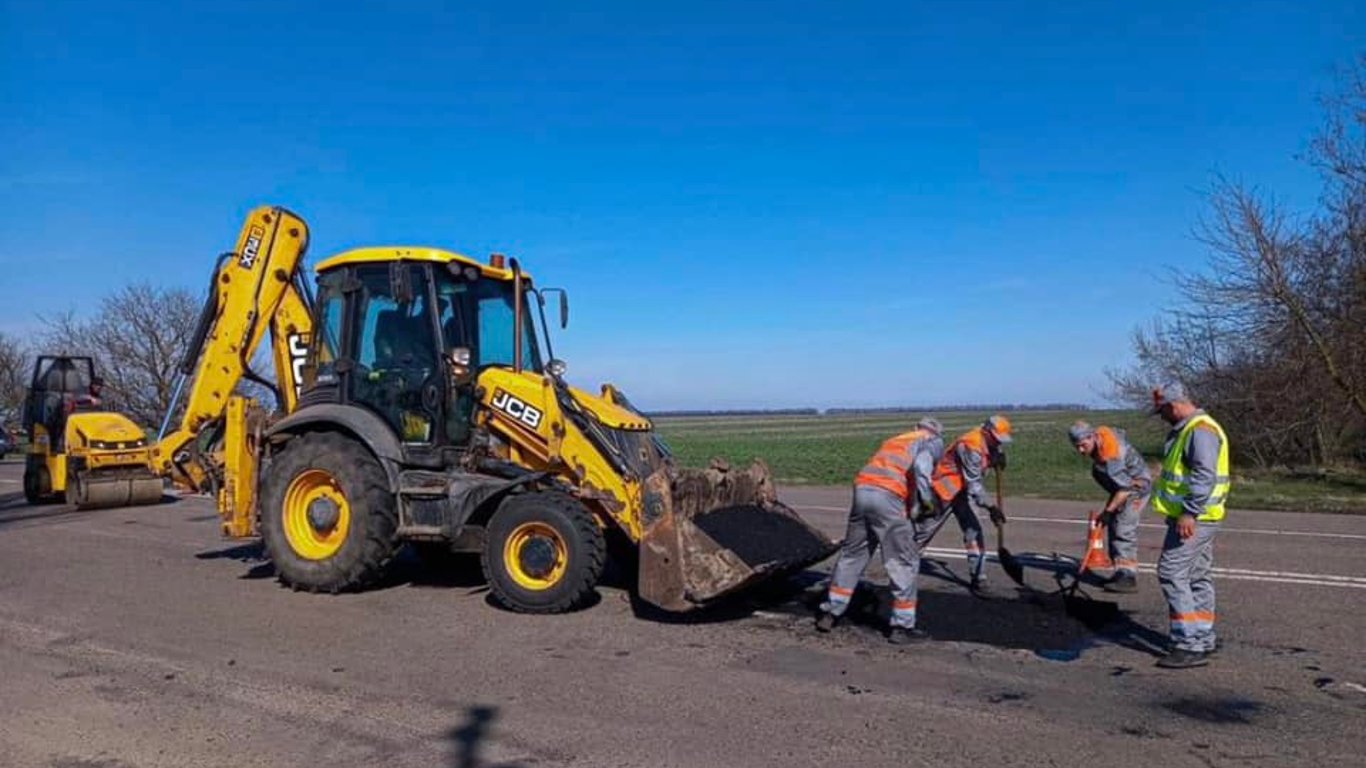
(77,450)
(430,411)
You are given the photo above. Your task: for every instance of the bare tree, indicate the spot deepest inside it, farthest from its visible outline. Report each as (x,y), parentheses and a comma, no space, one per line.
(1270,331)
(137,338)
(14,371)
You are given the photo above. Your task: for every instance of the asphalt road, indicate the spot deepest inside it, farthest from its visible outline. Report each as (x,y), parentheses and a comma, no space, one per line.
(138,637)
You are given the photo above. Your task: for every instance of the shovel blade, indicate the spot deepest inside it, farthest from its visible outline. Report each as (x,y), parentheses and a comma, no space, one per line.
(1011,565)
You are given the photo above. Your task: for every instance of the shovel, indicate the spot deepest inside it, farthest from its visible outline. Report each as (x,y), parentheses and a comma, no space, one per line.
(1008,562)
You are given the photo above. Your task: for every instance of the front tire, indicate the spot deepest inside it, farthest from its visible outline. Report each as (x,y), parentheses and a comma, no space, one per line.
(328,519)
(544,553)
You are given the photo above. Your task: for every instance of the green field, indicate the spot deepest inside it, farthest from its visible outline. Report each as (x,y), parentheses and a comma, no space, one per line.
(829,450)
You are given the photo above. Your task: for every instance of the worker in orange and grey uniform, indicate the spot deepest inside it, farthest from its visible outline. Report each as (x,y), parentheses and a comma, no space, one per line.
(1191,492)
(887,491)
(958,490)
(1119,468)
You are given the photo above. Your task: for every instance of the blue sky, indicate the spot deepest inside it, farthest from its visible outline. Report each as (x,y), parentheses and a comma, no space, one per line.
(751,204)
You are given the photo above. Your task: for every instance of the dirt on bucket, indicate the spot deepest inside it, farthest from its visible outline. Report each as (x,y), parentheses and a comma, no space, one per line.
(761,536)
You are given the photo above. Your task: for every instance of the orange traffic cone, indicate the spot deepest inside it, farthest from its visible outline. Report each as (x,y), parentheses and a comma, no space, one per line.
(1097,556)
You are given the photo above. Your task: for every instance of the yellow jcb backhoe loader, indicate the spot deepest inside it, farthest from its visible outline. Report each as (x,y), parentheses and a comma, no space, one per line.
(420,403)
(78,451)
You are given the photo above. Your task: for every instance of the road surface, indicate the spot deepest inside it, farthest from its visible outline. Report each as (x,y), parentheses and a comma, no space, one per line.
(138,637)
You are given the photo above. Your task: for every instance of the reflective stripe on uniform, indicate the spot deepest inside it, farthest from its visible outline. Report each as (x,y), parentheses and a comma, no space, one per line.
(1178,478)
(1192,623)
(887,469)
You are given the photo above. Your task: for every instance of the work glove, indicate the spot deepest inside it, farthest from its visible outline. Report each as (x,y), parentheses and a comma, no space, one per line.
(998,516)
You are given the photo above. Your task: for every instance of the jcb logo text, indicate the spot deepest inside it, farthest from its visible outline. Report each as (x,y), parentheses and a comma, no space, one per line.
(527,414)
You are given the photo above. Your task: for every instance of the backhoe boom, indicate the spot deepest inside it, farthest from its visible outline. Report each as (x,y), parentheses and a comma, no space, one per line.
(259,286)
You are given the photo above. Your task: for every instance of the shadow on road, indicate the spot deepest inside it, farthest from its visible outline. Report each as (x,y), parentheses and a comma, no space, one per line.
(408,569)
(252,553)
(467,739)
(14,509)
(1217,710)
(1053,624)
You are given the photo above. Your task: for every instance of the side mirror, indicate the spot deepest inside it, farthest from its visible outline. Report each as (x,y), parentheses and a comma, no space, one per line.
(459,360)
(564,303)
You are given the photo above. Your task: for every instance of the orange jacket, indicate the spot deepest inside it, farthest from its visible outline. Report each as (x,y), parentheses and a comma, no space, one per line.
(962,467)
(896,460)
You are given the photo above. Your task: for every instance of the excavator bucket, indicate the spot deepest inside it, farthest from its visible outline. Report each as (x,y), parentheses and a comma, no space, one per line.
(710,533)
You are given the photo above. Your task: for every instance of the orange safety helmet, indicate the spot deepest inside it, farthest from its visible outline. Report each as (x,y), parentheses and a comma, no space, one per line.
(998,427)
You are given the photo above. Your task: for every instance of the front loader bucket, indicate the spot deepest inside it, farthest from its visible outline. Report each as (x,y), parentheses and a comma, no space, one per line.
(714,532)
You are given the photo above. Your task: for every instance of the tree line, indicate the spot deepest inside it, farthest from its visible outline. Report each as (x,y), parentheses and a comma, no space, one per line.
(136,338)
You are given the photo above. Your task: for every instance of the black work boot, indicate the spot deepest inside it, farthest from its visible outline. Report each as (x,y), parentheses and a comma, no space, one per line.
(1180,658)
(1123,582)
(903,636)
(826,621)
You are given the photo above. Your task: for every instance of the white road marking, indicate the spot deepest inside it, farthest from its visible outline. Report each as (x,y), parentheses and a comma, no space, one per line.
(1235,574)
(7,480)
(1261,531)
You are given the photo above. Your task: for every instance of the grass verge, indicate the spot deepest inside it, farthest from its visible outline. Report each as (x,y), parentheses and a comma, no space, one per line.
(829,450)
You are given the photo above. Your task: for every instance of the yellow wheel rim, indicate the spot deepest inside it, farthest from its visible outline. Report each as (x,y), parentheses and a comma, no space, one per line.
(317,516)
(536,556)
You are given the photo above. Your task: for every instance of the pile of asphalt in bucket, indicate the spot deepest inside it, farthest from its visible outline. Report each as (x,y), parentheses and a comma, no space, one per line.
(760,536)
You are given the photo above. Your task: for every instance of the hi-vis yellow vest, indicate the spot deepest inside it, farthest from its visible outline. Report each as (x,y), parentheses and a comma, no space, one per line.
(1172,488)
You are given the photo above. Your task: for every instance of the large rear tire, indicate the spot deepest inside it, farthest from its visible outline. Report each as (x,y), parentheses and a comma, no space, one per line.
(544,553)
(37,482)
(328,519)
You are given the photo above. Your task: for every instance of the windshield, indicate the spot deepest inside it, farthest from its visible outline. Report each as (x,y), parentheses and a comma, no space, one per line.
(479,314)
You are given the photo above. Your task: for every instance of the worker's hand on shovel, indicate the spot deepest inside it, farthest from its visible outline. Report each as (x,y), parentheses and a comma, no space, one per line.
(998,516)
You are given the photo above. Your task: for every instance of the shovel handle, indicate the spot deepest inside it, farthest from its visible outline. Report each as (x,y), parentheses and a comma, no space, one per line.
(1000,528)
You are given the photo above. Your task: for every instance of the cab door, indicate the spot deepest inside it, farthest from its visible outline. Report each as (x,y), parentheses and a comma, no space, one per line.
(397,370)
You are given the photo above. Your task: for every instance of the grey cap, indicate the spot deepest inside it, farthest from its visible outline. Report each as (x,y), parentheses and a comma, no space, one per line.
(1080,431)
(1169,392)
(931,424)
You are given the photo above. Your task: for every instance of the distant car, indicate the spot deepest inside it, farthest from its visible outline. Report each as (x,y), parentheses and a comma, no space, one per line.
(7,443)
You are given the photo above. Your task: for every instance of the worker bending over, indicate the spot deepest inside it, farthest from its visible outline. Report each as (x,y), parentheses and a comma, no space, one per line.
(958,488)
(1191,492)
(891,486)
(1119,468)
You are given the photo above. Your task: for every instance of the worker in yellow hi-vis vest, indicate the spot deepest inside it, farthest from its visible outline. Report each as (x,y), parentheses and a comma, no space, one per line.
(1191,493)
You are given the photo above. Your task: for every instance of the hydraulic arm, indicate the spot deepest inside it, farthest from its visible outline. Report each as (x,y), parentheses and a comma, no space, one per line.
(205,440)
